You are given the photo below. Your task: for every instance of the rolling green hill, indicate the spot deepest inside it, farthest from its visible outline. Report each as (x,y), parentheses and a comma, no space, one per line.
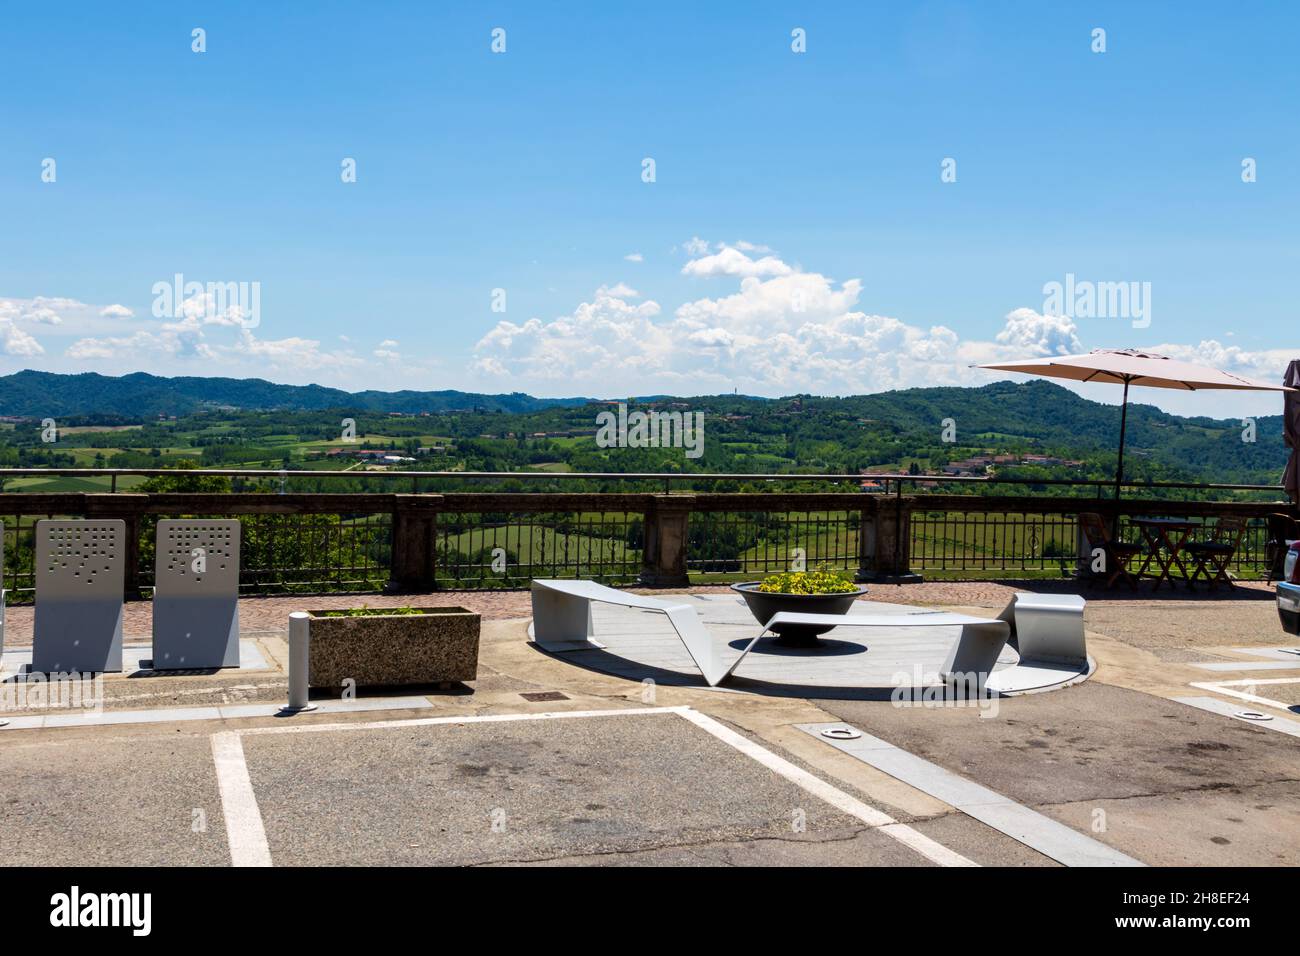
(47,394)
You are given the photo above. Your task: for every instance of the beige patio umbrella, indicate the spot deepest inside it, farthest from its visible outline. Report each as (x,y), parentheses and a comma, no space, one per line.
(1130,367)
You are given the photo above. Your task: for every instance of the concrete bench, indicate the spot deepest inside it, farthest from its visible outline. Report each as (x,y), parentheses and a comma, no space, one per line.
(1047,631)
(971,656)
(562,622)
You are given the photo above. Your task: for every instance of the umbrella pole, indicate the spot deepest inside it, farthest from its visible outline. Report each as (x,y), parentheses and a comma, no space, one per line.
(1123,425)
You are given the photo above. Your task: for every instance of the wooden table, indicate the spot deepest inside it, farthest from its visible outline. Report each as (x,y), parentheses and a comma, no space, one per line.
(1166,538)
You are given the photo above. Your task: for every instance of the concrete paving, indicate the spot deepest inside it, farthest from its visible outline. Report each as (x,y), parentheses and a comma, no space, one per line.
(528,791)
(97,800)
(1146,763)
(1116,759)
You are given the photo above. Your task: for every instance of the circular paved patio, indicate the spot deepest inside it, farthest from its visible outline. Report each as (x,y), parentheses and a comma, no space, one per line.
(852,663)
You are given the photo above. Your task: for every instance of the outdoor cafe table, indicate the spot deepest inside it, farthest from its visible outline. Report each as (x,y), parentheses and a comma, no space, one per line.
(1166,538)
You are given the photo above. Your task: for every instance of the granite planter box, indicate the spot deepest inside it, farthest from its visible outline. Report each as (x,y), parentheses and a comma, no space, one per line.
(437,646)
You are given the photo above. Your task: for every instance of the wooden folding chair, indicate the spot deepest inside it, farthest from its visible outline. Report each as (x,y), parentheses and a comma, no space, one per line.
(1213,556)
(1117,554)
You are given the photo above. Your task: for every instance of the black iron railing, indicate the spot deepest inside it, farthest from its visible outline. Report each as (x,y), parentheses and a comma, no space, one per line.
(322,541)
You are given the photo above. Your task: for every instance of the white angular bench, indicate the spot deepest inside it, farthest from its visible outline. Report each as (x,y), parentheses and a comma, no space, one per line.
(971,657)
(1047,631)
(562,622)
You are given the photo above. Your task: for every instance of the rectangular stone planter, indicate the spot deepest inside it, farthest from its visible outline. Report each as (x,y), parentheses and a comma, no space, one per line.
(437,646)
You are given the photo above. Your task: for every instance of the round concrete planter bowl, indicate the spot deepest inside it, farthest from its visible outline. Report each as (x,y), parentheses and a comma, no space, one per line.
(764,605)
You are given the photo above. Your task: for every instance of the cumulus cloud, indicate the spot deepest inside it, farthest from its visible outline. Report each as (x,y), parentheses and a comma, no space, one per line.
(116,312)
(1030,335)
(634,257)
(17,342)
(781,331)
(609,336)
(292,352)
(731,261)
(182,339)
(42,310)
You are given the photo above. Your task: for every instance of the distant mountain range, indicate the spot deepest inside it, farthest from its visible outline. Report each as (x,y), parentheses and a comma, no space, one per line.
(41,394)
(840,431)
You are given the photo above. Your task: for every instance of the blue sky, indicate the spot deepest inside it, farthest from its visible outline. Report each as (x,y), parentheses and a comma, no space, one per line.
(797,236)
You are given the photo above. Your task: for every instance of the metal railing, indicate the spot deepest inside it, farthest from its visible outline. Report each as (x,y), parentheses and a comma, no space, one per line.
(326,541)
(503,550)
(975,545)
(743,544)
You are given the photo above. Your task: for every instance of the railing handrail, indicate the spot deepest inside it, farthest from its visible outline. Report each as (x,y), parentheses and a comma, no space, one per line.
(666,477)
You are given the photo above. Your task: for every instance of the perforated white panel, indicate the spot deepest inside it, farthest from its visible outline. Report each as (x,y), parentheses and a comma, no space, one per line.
(77,559)
(196,594)
(197,557)
(79,569)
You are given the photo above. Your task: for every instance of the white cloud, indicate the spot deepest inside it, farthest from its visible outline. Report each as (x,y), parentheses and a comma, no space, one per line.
(1030,335)
(695,246)
(116,312)
(203,307)
(634,257)
(730,261)
(17,342)
(292,352)
(42,310)
(179,339)
(790,331)
(608,336)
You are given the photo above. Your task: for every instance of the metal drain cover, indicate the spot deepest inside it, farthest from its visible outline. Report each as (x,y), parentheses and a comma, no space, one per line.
(841,733)
(544,695)
(1252,715)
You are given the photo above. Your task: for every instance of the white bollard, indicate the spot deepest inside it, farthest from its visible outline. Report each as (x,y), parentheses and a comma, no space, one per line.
(299,662)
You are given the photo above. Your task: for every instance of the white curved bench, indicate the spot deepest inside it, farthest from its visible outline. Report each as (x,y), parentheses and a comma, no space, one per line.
(971,657)
(562,622)
(1049,629)
(1048,633)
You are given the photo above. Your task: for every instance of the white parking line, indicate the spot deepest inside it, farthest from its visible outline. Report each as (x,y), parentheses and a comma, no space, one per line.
(883,822)
(1224,666)
(1226,687)
(250,829)
(244,829)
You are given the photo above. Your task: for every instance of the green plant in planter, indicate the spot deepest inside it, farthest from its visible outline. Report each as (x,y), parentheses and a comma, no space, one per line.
(373,612)
(820,581)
